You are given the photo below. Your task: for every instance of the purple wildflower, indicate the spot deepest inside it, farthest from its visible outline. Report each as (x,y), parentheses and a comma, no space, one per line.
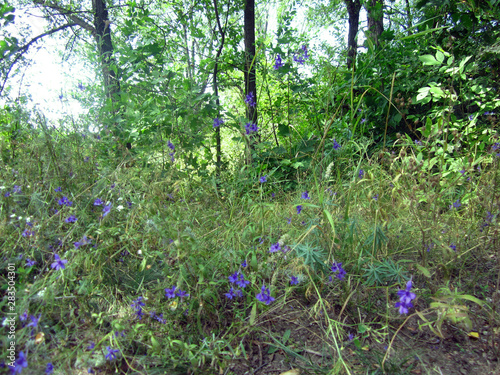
(218,122)
(278,64)
(170,293)
(111,353)
(251,128)
(405,298)
(64,202)
(59,263)
(265,295)
(71,219)
(275,247)
(106,209)
(250,99)
(336,146)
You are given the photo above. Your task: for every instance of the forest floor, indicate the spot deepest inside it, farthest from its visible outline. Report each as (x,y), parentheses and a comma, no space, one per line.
(414,351)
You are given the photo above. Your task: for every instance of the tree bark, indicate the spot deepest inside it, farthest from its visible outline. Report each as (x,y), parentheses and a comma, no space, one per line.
(250,77)
(105,48)
(250,80)
(222,33)
(375,12)
(353,8)
(409,17)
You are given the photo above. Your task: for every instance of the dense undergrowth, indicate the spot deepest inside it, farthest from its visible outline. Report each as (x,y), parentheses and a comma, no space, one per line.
(129,268)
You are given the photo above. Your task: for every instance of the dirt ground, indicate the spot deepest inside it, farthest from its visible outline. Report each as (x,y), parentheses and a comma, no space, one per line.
(413,351)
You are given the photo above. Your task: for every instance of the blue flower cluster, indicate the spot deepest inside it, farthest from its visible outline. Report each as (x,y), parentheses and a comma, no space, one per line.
(172,293)
(137,305)
(405,298)
(340,272)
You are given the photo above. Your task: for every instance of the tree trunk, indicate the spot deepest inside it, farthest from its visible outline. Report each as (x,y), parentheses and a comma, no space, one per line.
(250,79)
(105,48)
(222,33)
(353,8)
(375,12)
(409,17)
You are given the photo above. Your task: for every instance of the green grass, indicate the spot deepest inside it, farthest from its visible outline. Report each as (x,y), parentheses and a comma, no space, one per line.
(393,224)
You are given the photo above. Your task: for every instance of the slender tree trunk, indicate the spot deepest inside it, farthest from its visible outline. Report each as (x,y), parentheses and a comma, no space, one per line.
(250,78)
(105,48)
(408,17)
(353,8)
(375,12)
(222,33)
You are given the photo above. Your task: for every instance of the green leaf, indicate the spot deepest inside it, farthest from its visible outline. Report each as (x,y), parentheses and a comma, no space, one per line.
(253,262)
(286,336)
(424,271)
(440,56)
(329,217)
(423,92)
(472,299)
(143,264)
(437,92)
(429,60)
(253,315)
(462,63)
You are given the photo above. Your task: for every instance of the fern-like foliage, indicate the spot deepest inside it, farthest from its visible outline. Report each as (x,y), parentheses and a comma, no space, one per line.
(313,257)
(385,272)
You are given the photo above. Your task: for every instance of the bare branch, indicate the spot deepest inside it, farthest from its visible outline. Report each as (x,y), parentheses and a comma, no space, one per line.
(22,50)
(68,13)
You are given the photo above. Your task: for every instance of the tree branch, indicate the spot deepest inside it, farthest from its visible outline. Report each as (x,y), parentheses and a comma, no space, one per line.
(22,50)
(68,13)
